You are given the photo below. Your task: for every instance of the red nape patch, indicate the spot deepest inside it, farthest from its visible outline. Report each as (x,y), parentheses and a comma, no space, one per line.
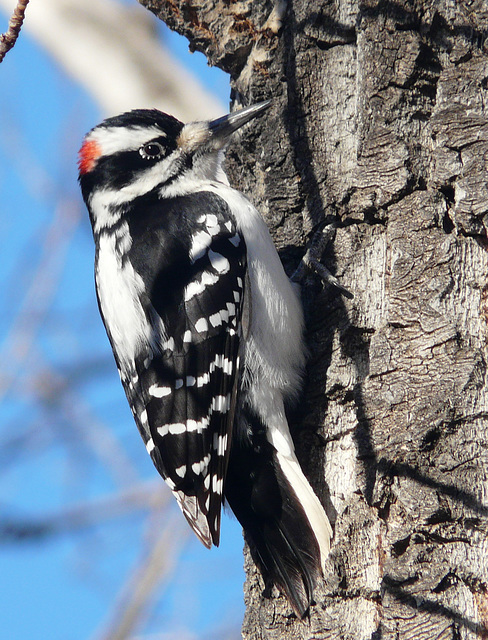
(89,154)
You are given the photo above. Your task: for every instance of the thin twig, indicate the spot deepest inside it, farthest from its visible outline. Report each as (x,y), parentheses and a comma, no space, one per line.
(8,39)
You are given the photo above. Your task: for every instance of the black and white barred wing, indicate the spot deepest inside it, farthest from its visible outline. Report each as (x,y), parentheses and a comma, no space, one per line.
(188,384)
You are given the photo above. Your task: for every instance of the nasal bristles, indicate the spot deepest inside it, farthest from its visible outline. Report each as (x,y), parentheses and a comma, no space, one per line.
(193,136)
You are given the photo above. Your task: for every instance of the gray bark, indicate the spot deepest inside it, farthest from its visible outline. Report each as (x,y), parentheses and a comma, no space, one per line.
(380,122)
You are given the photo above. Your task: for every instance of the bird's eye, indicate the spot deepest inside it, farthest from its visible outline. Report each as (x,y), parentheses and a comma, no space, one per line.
(151,150)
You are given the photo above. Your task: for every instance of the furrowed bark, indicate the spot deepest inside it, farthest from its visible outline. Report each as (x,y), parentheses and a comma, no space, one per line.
(380,123)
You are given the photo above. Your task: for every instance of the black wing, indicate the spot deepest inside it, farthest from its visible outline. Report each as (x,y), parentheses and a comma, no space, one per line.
(183,391)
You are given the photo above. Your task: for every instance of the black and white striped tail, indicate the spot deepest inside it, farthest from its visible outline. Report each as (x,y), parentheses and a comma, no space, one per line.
(284,524)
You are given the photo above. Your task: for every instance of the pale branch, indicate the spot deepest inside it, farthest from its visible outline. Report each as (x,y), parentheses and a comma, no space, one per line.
(115,52)
(144,496)
(8,39)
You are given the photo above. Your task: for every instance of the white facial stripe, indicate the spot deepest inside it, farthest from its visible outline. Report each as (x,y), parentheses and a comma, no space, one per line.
(145,181)
(116,139)
(104,202)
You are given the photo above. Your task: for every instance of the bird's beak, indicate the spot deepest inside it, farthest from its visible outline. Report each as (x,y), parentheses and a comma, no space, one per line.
(223,127)
(212,136)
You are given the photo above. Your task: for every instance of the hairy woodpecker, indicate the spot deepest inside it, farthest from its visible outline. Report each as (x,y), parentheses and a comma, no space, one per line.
(206,330)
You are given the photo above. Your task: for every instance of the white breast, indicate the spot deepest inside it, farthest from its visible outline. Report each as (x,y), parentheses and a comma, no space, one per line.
(274,350)
(275,344)
(119,288)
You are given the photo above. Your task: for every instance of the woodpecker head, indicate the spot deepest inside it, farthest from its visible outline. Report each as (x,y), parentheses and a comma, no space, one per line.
(137,152)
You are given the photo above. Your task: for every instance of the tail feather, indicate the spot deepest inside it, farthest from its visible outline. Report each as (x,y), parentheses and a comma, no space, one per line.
(278,511)
(306,496)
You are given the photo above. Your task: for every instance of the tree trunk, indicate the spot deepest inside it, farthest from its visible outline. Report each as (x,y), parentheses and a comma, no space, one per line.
(380,122)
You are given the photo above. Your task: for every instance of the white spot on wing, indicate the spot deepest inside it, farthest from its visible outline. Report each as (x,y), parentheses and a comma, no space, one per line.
(203,380)
(200,243)
(215,319)
(201,325)
(212,224)
(218,262)
(221,362)
(216,485)
(227,366)
(220,404)
(178,428)
(211,220)
(193,289)
(174,429)
(199,286)
(222,445)
(194,425)
(159,392)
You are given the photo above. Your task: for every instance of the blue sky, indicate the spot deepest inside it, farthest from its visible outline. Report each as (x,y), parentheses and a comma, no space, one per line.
(59,389)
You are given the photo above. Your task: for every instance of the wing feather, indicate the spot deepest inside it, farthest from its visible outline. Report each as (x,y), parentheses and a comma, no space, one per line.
(184,400)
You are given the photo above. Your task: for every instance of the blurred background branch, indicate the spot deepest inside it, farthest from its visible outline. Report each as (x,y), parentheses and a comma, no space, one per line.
(90,543)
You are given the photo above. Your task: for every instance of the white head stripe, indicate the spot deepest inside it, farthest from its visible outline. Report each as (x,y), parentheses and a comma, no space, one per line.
(115,139)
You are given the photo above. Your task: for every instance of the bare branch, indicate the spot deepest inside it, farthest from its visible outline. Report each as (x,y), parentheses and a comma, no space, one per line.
(148,495)
(8,39)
